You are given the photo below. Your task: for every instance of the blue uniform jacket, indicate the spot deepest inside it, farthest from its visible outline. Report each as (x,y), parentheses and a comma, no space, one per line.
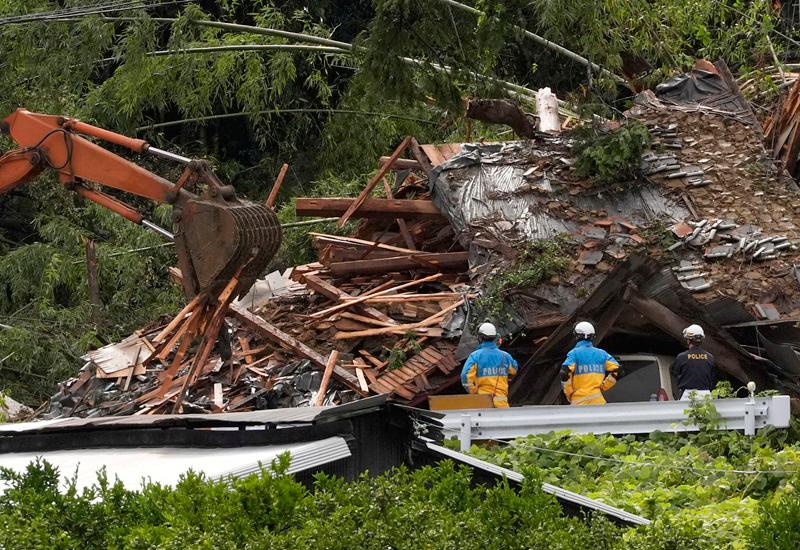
(485,365)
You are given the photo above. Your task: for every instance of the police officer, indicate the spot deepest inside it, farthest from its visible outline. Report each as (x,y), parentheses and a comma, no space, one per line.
(488,369)
(587,370)
(694,368)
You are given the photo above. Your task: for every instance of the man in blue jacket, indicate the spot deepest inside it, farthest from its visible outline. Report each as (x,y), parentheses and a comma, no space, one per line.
(488,368)
(588,371)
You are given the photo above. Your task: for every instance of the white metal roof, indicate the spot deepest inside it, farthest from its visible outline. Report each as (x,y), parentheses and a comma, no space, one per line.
(165,465)
(558,492)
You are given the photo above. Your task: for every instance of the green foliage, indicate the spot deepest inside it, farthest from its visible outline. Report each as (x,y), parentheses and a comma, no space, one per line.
(723,390)
(687,483)
(428,508)
(45,316)
(611,157)
(637,36)
(778,527)
(702,413)
(539,262)
(396,356)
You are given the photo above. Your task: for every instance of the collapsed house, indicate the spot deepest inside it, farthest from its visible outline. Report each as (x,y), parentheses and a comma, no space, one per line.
(707,234)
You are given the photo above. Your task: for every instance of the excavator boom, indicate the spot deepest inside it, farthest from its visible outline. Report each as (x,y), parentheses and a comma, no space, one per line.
(218,235)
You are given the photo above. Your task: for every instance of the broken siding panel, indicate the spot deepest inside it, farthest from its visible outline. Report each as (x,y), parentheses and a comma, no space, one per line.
(113,358)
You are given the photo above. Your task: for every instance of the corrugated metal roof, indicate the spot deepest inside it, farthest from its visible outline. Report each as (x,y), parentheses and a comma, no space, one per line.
(558,492)
(296,415)
(165,465)
(486,187)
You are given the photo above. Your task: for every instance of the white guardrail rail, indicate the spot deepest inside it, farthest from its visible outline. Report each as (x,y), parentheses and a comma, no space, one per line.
(746,414)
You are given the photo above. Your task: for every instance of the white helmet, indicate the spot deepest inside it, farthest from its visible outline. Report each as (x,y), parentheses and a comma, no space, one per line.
(584,330)
(488,330)
(694,332)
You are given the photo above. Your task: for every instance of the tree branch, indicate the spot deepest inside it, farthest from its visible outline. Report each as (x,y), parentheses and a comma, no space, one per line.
(500,111)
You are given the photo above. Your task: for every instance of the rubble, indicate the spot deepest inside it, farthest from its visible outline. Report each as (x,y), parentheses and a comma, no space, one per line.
(709,232)
(380,310)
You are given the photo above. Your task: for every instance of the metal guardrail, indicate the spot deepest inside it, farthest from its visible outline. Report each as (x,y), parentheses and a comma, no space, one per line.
(748,414)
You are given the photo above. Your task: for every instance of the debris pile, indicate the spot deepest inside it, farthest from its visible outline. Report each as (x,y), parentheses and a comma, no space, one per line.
(387,308)
(379,314)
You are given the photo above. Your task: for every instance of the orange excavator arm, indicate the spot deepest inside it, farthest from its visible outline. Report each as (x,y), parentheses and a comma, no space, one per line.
(218,235)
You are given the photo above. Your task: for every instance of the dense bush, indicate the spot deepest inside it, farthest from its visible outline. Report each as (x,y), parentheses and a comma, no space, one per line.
(778,526)
(693,507)
(435,508)
(702,490)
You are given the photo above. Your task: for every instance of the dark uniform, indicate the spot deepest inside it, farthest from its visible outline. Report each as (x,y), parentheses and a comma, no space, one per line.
(694,370)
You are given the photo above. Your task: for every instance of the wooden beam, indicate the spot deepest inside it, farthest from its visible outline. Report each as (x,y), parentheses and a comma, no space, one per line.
(402,164)
(373,182)
(400,329)
(332,293)
(276,187)
(339,307)
(419,155)
(326,378)
(423,261)
(401,223)
(370,208)
(274,334)
(673,324)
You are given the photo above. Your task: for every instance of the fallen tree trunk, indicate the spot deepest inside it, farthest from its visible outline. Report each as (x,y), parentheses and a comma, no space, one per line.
(501,111)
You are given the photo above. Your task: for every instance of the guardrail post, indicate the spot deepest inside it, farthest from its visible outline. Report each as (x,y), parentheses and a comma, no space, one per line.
(750,417)
(465,437)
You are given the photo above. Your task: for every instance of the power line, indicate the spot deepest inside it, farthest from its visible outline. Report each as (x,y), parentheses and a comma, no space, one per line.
(280,111)
(84,11)
(653,464)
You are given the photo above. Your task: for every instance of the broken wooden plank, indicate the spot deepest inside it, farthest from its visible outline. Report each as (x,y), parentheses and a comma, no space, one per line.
(399,329)
(273,194)
(401,223)
(433,154)
(177,319)
(364,319)
(416,152)
(362,380)
(326,378)
(372,359)
(370,374)
(415,209)
(325,312)
(246,351)
(432,297)
(332,293)
(274,334)
(401,164)
(218,403)
(373,182)
(337,240)
(445,261)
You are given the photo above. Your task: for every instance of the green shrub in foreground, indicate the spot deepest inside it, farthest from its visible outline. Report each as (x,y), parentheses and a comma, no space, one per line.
(778,527)
(432,508)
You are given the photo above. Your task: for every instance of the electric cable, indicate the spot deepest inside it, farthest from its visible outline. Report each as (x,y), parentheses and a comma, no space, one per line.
(653,464)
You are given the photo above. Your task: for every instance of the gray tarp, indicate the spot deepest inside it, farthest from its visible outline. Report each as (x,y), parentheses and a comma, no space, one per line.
(487,191)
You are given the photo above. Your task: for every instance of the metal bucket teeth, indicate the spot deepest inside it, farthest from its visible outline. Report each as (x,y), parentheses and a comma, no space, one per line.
(221,238)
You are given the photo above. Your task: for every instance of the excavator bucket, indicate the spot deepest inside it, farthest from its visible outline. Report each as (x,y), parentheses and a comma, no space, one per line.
(216,240)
